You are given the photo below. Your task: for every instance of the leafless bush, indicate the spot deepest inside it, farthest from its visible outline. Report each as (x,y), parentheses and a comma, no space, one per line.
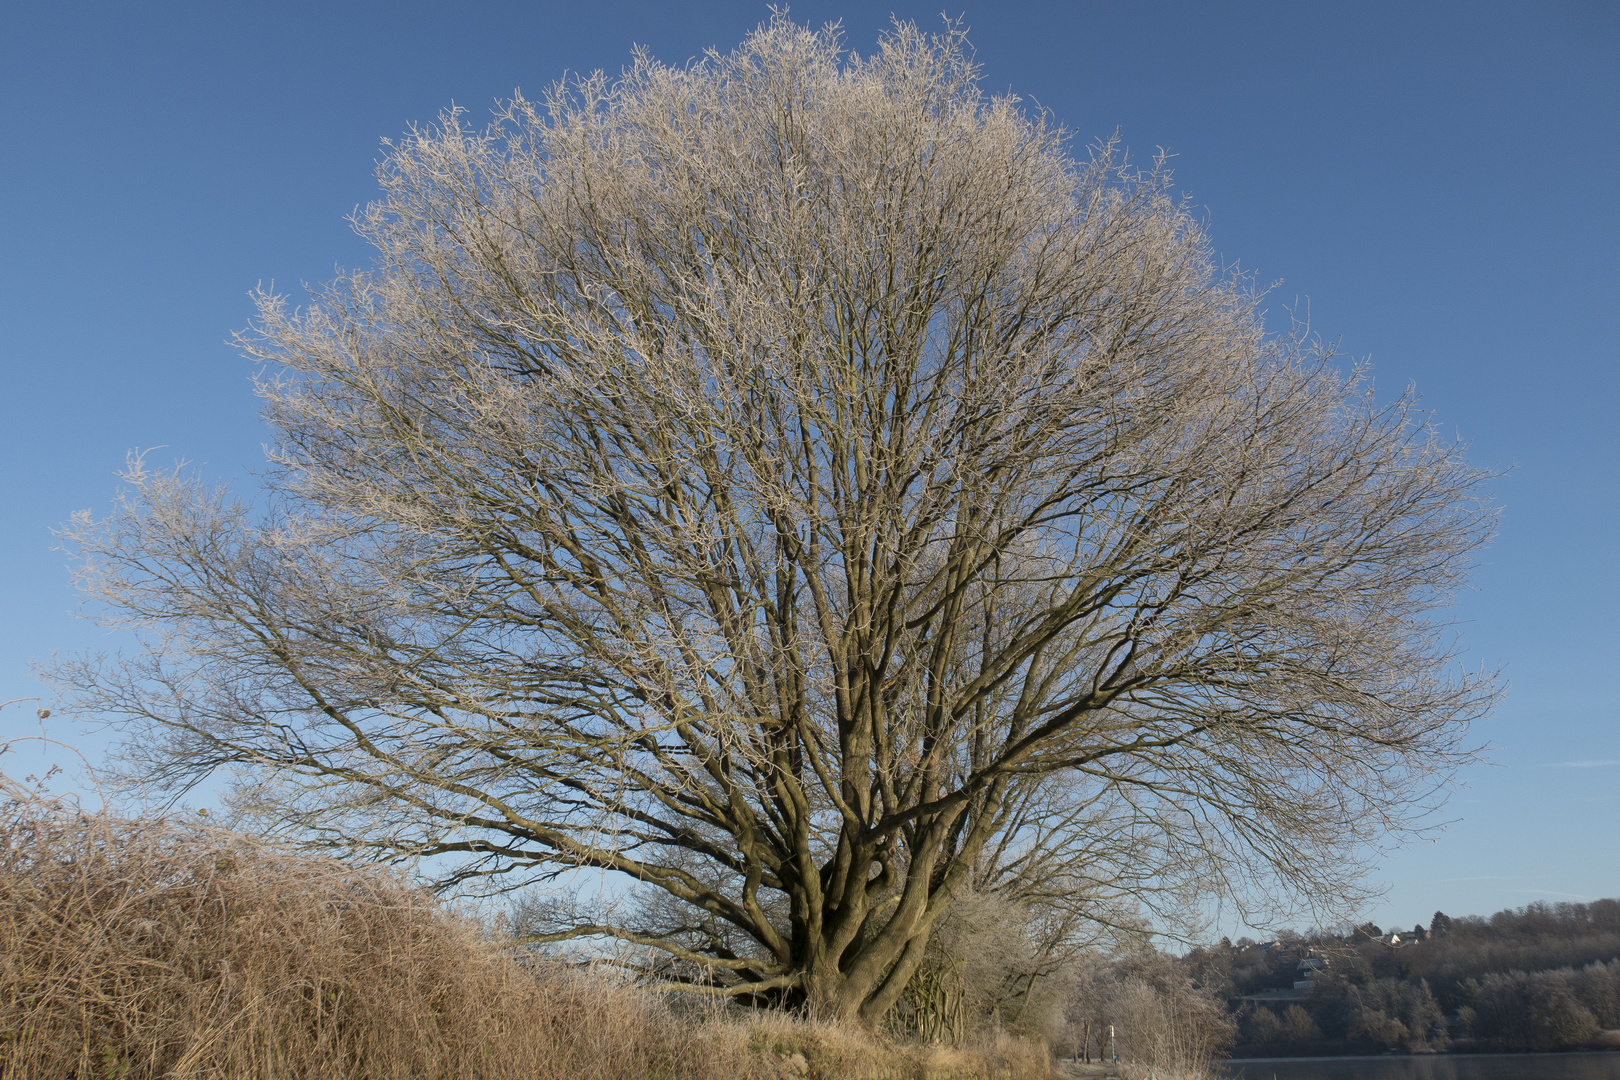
(164,948)
(995,964)
(1140,1007)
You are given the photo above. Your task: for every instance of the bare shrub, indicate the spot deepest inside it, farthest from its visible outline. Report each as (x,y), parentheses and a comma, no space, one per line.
(1142,1008)
(995,964)
(168,948)
(165,948)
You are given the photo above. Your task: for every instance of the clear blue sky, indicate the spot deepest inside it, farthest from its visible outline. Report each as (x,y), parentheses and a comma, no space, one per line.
(1438,179)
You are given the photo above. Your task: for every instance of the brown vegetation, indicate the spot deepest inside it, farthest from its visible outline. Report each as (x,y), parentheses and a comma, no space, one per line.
(135,949)
(1141,1006)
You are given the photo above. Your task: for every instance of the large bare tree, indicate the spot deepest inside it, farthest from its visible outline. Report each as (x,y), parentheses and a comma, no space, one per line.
(798,484)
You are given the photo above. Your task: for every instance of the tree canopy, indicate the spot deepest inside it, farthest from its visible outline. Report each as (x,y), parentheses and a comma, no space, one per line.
(797,483)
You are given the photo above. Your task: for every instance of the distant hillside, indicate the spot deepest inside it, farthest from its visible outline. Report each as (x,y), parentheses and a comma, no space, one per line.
(1542,977)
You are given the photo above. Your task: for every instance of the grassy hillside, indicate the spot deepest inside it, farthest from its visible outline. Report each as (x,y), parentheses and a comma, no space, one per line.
(144,949)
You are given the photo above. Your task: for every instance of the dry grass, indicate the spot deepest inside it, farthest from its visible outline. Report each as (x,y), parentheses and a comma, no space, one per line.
(785,1046)
(145,949)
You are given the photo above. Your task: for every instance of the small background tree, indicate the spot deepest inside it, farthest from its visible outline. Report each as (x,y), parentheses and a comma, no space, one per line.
(1158,1016)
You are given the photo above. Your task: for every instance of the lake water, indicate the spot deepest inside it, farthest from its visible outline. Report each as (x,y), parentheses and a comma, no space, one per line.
(1604,1065)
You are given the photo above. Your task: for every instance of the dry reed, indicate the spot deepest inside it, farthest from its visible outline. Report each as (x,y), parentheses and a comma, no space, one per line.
(135,949)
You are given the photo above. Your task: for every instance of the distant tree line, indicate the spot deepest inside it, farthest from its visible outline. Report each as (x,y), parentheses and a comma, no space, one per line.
(1542,977)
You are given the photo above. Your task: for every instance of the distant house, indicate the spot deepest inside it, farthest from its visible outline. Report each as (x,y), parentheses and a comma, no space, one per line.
(1307,970)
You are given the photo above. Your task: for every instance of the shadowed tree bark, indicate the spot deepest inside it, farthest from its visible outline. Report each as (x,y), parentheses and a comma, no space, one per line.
(794,483)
